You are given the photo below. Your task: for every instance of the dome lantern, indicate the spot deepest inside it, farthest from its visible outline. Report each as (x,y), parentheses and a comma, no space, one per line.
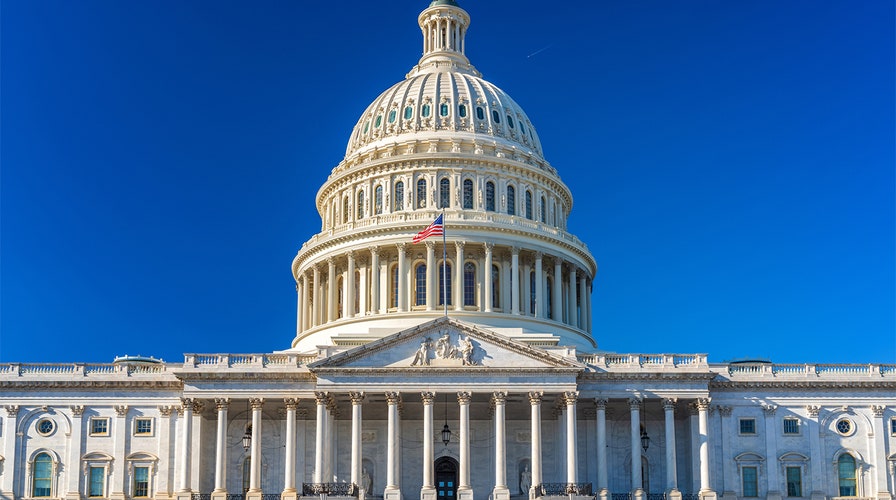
(444,25)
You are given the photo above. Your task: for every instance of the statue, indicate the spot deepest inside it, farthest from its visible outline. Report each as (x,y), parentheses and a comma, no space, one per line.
(422,356)
(466,349)
(366,481)
(525,480)
(444,349)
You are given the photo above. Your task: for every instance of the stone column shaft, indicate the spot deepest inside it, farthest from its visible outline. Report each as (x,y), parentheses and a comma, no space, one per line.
(573,302)
(289,454)
(535,401)
(319,442)
(349,302)
(635,406)
(500,492)
(431,281)
(515,281)
(459,276)
(357,399)
(402,278)
(572,475)
(375,280)
(315,304)
(557,293)
(221,405)
(539,287)
(703,431)
(489,283)
(601,418)
(671,464)
(331,290)
(255,471)
(183,467)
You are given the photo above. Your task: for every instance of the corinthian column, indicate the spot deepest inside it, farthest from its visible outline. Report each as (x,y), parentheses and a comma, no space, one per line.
(706,491)
(539,287)
(392,491)
(535,401)
(489,283)
(221,404)
(331,289)
(321,400)
(459,277)
(255,472)
(316,310)
(637,486)
(349,302)
(402,278)
(501,492)
(357,399)
(571,439)
(289,454)
(671,470)
(183,476)
(515,280)
(375,280)
(464,490)
(428,491)
(573,303)
(557,292)
(600,406)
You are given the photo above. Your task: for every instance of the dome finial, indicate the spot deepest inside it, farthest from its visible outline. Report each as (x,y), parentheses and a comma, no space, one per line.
(444,25)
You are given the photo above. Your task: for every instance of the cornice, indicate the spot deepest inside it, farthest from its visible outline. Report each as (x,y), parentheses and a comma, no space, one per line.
(427,371)
(303,376)
(802,385)
(93,384)
(689,376)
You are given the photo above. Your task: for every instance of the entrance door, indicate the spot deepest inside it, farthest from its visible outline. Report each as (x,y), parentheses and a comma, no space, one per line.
(446,478)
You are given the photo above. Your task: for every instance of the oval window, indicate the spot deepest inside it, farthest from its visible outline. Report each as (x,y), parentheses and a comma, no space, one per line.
(510,121)
(408,112)
(495,116)
(378,121)
(523,127)
(392,116)
(443,109)
(480,113)
(462,111)
(425,111)
(366,126)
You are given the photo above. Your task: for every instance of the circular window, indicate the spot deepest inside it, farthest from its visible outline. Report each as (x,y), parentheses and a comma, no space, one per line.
(844,426)
(45,427)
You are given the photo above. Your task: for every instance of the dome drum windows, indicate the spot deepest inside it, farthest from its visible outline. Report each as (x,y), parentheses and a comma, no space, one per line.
(426,110)
(462,111)
(399,196)
(444,109)
(444,193)
(529,204)
(480,113)
(408,112)
(468,194)
(421,193)
(496,117)
(360,206)
(392,115)
(378,121)
(378,200)
(511,200)
(489,196)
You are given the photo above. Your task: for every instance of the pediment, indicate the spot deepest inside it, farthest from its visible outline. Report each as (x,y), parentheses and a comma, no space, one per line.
(445,343)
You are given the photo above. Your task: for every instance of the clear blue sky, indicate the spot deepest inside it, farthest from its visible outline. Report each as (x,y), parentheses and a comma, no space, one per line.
(732,165)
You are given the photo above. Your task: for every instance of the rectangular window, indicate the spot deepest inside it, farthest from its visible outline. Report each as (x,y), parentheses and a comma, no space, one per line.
(97,480)
(141,481)
(751,481)
(748,426)
(791,426)
(143,427)
(99,426)
(794,482)
(893,426)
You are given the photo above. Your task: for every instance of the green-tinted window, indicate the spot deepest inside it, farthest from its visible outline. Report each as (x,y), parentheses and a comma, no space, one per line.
(366,126)
(751,481)
(378,121)
(426,110)
(97,480)
(408,112)
(495,116)
(462,111)
(443,109)
(141,481)
(846,472)
(43,473)
(480,113)
(510,121)
(794,482)
(392,115)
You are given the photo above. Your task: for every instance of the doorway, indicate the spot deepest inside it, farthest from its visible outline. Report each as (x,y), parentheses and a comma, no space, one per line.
(446,478)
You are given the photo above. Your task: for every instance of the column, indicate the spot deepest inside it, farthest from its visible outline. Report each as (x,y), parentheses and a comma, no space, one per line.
(74,457)
(588,292)
(527,291)
(363,289)
(402,278)
(880,453)
(289,455)
(635,407)
(320,399)
(489,285)
(299,312)
(557,295)
(120,433)
(331,289)
(330,440)
(671,464)
(315,305)
(539,287)
(392,491)
(515,281)
(221,405)
(600,406)
(183,466)
(535,402)
(572,475)
(573,303)
(166,451)
(583,293)
(464,491)
(255,472)
(501,492)
(357,399)
(816,472)
(428,491)
(728,471)
(771,447)
(431,281)
(459,276)
(375,280)
(349,301)
(703,430)
(306,313)
(11,460)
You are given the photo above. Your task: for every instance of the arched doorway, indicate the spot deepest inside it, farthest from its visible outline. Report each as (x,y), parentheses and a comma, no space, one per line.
(446,478)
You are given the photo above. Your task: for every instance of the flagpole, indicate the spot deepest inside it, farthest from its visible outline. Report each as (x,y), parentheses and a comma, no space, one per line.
(444,266)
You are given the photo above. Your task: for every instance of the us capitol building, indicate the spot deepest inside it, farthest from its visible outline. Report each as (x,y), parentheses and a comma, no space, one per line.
(461,367)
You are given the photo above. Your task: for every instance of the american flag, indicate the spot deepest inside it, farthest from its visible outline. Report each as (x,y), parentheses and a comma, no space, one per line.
(434,229)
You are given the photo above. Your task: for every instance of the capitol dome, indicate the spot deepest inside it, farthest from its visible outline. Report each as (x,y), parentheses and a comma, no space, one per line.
(444,142)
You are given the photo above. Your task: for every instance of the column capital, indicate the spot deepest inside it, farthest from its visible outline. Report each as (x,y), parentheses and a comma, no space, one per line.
(464,397)
(357,397)
(428,397)
(331,262)
(489,247)
(222,403)
(393,398)
(291,403)
(430,244)
(813,410)
(515,251)
(878,410)
(350,255)
(670,403)
(77,410)
(321,398)
(725,411)
(538,255)
(769,410)
(198,406)
(499,397)
(256,403)
(12,411)
(600,403)
(401,246)
(702,404)
(570,397)
(375,251)
(535,397)
(635,403)
(165,410)
(186,403)
(459,244)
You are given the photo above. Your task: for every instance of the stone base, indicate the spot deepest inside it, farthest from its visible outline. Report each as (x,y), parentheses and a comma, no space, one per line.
(673,494)
(818,495)
(639,494)
(465,494)
(117,495)
(389,494)
(501,494)
(288,494)
(184,495)
(708,495)
(604,494)
(884,495)
(6,495)
(427,494)
(773,495)
(251,495)
(71,495)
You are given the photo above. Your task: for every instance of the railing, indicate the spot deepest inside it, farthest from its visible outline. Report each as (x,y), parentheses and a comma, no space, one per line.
(248,360)
(690,496)
(79,369)
(334,489)
(270,496)
(620,496)
(629,361)
(764,369)
(559,489)
(656,496)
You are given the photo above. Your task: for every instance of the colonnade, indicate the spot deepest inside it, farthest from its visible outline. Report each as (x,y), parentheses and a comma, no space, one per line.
(325,429)
(385,279)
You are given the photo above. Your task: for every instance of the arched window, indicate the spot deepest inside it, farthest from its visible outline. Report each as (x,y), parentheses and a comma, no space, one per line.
(444,193)
(345,210)
(511,200)
(357,285)
(421,193)
(378,200)
(490,196)
(549,298)
(360,208)
(393,284)
(469,284)
(544,210)
(846,472)
(399,196)
(43,476)
(468,194)
(532,292)
(420,285)
(528,204)
(444,283)
(247,471)
(340,293)
(496,286)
